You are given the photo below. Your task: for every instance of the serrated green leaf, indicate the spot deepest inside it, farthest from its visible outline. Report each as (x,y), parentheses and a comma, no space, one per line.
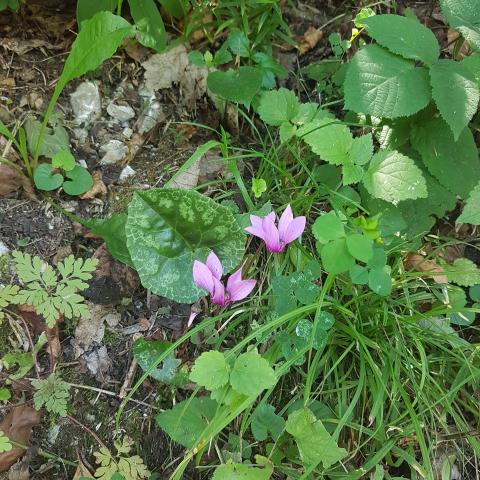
(394,177)
(259,186)
(7,296)
(382,84)
(210,370)
(80,181)
(471,210)
(328,227)
(167,229)
(360,247)
(404,36)
(278,106)
(352,173)
(265,421)
(361,150)
(463,272)
(149,24)
(314,442)
(185,422)
(5,444)
(251,374)
(331,141)
(455,92)
(335,257)
(454,164)
(464,16)
(472,62)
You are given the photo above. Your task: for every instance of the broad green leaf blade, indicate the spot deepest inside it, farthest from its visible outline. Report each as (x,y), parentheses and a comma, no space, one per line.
(210,370)
(149,22)
(471,210)
(265,420)
(239,85)
(64,160)
(45,179)
(352,173)
(455,92)
(314,442)
(463,272)
(167,229)
(464,16)
(278,106)
(362,149)
(382,84)
(251,374)
(472,62)
(335,257)
(380,281)
(328,227)
(454,164)
(328,139)
(186,421)
(88,8)
(239,471)
(80,181)
(360,247)
(146,351)
(404,36)
(53,141)
(394,177)
(97,41)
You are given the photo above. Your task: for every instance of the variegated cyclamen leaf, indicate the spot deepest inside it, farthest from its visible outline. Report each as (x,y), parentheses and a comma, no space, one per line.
(167,229)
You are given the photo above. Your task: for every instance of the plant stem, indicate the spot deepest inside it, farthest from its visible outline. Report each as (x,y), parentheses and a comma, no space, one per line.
(45,454)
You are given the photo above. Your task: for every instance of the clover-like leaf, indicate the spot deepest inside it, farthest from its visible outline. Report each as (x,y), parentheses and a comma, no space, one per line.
(46,179)
(167,229)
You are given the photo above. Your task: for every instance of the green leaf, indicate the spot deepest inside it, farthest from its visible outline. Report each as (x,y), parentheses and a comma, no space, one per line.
(360,247)
(278,106)
(54,139)
(5,445)
(259,186)
(167,229)
(265,420)
(5,394)
(287,131)
(196,57)
(472,62)
(251,374)
(146,351)
(455,92)
(474,292)
(176,8)
(335,257)
(454,164)
(464,16)
(471,210)
(210,370)
(394,177)
(97,41)
(331,141)
(463,272)
(88,8)
(314,442)
(112,232)
(238,43)
(352,173)
(361,150)
(45,178)
(382,84)
(403,36)
(359,275)
(239,471)
(64,160)
(239,85)
(51,393)
(328,227)
(80,181)
(186,421)
(380,281)
(149,24)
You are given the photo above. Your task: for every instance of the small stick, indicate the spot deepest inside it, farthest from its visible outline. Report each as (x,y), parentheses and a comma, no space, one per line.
(128,379)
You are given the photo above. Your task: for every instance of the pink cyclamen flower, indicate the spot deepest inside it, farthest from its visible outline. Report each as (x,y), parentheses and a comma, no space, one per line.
(276,239)
(208,275)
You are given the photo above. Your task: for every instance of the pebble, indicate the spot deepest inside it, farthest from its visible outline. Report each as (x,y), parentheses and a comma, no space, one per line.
(3,249)
(86,103)
(113,151)
(127,172)
(122,113)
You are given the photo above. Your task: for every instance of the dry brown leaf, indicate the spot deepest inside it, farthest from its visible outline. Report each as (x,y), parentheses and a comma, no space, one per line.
(416,262)
(136,51)
(17,426)
(7,83)
(98,187)
(309,40)
(81,471)
(20,46)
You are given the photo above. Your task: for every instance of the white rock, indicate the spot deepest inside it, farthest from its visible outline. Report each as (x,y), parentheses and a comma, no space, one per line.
(83,163)
(3,249)
(113,151)
(122,113)
(153,114)
(86,104)
(128,171)
(127,132)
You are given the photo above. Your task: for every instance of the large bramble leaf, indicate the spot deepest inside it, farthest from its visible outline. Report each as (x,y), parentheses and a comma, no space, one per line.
(314,442)
(404,36)
(454,164)
(394,177)
(331,141)
(167,229)
(464,16)
(472,62)
(186,421)
(382,84)
(278,106)
(149,23)
(471,210)
(455,92)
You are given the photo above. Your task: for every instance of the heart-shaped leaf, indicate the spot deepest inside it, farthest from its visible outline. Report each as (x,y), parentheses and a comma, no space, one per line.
(80,181)
(239,85)
(167,229)
(45,179)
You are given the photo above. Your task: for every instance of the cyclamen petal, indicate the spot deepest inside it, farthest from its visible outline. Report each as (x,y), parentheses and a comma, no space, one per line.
(272,238)
(203,277)
(294,229)
(240,290)
(215,266)
(218,296)
(284,222)
(235,277)
(256,231)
